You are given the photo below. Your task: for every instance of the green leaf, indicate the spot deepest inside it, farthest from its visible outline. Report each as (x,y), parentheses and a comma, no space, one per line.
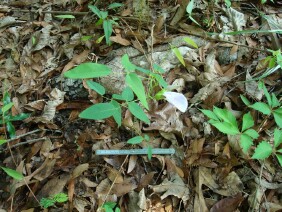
(145,71)
(117,96)
(248,121)
(11,129)
(60,197)
(7,107)
(146,137)
(109,205)
(98,111)
(266,93)
(96,87)
(278,116)
(275,101)
(225,127)
(158,68)
(252,133)
(135,140)
(95,10)
(246,142)
(261,107)
(13,173)
(225,115)
(104,15)
(190,42)
(137,111)
(245,100)
(3,142)
(108,29)
(88,70)
(179,55)
(160,94)
(192,19)
(277,137)
(227,3)
(150,152)
(160,80)
(263,150)
(210,114)
(65,16)
(279,150)
(47,202)
(127,64)
(190,7)
(117,112)
(19,117)
(6,98)
(135,83)
(114,5)
(127,94)
(279,158)
(86,37)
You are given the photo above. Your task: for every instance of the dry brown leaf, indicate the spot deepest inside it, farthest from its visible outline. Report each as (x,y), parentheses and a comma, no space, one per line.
(145,180)
(79,170)
(114,175)
(228,204)
(123,188)
(132,163)
(175,187)
(48,169)
(120,40)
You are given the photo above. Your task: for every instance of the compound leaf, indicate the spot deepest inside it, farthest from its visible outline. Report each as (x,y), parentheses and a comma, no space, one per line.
(278,116)
(137,111)
(98,111)
(225,127)
(135,140)
(252,133)
(117,112)
(248,121)
(88,70)
(135,83)
(246,142)
(263,150)
(261,107)
(127,94)
(277,137)
(96,87)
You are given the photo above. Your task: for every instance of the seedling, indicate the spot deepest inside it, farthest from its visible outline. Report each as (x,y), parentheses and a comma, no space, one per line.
(226,123)
(51,201)
(105,20)
(134,86)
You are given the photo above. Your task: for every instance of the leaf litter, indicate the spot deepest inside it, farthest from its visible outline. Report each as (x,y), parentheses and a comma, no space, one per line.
(205,174)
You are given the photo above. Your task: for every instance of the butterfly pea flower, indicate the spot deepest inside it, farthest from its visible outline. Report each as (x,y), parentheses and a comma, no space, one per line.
(178,100)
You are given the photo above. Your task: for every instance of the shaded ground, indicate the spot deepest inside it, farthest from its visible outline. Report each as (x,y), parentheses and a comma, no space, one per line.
(205,173)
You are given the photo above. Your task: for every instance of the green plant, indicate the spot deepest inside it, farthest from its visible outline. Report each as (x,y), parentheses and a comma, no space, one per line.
(177,53)
(226,123)
(6,119)
(51,201)
(189,9)
(134,85)
(274,63)
(110,207)
(105,20)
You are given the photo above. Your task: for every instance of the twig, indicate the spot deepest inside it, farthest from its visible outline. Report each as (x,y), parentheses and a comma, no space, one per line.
(23,135)
(119,171)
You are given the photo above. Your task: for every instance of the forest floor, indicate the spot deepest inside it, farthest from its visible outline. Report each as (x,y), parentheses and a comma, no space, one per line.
(230,51)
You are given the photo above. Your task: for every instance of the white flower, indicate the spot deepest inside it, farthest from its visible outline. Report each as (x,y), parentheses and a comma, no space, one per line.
(177,99)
